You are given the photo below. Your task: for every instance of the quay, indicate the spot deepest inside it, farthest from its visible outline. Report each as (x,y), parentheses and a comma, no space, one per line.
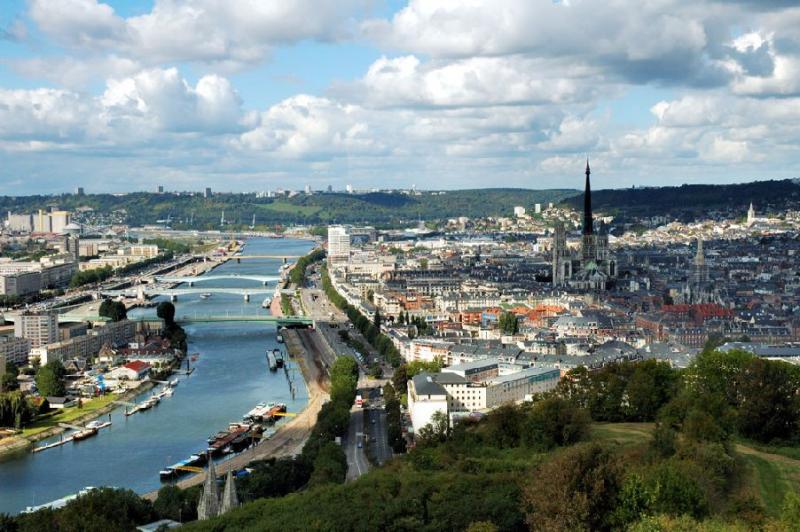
(289,438)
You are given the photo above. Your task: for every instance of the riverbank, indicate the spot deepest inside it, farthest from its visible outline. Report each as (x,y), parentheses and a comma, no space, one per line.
(23,442)
(290,437)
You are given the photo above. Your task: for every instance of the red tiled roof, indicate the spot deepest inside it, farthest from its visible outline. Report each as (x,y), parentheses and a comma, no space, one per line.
(138,366)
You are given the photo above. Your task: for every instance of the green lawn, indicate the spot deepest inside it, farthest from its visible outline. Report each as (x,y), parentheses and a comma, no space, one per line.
(769,482)
(288,208)
(68,415)
(622,433)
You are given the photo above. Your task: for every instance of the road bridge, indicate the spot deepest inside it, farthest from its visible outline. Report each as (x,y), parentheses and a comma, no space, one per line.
(143,291)
(190,280)
(264,318)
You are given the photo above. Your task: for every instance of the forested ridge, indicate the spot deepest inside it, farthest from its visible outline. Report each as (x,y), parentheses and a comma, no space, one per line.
(376,208)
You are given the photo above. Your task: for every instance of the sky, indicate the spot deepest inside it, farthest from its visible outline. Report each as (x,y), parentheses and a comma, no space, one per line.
(255,95)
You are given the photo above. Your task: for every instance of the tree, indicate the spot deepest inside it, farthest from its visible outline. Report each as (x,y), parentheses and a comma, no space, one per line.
(401,319)
(554,422)
(508,323)
(437,431)
(177,504)
(9,382)
(330,465)
(577,490)
(651,386)
(166,311)
(769,408)
(376,321)
(113,310)
(400,378)
(50,379)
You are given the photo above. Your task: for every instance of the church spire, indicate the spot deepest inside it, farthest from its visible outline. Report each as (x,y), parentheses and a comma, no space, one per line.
(208,506)
(587,204)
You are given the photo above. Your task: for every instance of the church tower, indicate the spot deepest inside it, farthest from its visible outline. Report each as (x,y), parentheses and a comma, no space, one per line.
(562,264)
(229,498)
(208,506)
(699,268)
(588,243)
(751,214)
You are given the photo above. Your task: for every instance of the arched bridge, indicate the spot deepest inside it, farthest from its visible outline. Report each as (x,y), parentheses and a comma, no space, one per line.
(190,280)
(143,291)
(264,318)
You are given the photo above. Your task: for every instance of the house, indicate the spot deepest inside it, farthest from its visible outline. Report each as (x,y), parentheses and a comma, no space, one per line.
(61,402)
(132,371)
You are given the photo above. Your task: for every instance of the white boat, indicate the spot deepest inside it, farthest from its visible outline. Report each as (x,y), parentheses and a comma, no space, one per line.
(267,302)
(205,295)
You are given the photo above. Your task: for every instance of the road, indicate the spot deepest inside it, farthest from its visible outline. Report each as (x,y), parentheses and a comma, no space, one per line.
(378,435)
(357,463)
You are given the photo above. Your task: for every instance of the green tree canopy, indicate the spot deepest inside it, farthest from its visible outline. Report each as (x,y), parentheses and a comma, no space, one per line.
(50,379)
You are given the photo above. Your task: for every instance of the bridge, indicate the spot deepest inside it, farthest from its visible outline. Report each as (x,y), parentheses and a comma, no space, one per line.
(173,293)
(263,318)
(284,257)
(198,318)
(190,280)
(62,318)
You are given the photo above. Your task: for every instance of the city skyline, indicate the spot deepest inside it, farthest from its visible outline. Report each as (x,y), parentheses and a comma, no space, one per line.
(121,96)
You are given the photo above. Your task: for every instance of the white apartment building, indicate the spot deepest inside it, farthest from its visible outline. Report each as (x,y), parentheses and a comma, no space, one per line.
(88,345)
(19,283)
(338,245)
(452,394)
(41,329)
(425,398)
(147,251)
(15,350)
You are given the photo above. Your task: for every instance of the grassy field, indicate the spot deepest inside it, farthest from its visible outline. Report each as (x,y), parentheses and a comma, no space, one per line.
(67,415)
(622,433)
(288,208)
(771,471)
(772,475)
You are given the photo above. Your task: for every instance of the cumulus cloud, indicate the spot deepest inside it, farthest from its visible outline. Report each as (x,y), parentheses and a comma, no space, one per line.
(510,91)
(478,81)
(222,32)
(131,109)
(648,41)
(312,127)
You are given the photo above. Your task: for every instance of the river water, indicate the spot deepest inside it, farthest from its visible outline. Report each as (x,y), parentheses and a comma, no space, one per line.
(231,376)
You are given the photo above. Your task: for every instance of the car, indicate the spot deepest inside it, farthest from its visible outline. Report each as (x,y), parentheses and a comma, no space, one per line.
(373,421)
(360,445)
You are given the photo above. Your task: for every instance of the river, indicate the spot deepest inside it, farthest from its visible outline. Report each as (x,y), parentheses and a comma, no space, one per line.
(231,376)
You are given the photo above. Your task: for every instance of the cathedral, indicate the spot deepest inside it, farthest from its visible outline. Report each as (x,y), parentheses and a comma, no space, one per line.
(594,268)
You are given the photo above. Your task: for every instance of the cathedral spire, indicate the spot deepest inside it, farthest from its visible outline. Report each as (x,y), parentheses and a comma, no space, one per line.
(587,204)
(208,506)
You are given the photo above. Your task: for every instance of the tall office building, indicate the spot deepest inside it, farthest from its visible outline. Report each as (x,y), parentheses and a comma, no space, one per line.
(207,192)
(338,244)
(40,328)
